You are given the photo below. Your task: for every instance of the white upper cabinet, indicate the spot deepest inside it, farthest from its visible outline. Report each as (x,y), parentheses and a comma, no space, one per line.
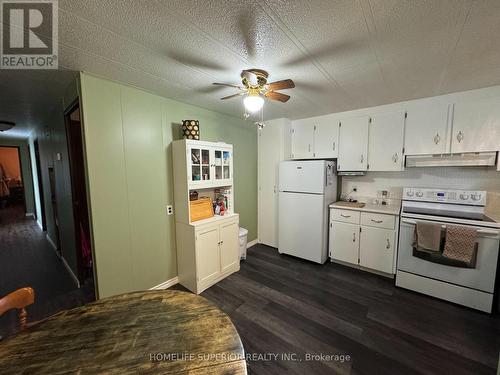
(476,125)
(326,137)
(302,139)
(427,128)
(386,137)
(353,144)
(315,138)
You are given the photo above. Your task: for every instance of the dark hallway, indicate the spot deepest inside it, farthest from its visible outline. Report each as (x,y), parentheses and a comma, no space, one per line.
(28,259)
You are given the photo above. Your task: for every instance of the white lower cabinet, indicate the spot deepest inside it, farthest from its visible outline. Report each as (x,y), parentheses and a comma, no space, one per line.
(344,242)
(207,252)
(376,248)
(365,240)
(207,249)
(229,246)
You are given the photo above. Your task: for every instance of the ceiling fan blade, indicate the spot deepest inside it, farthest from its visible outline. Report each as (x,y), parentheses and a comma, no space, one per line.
(227,84)
(281,85)
(273,95)
(231,96)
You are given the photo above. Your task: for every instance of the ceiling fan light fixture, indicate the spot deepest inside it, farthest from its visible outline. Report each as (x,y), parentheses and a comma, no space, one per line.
(253,103)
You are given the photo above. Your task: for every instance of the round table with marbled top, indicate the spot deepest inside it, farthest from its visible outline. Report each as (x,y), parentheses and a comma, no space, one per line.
(153,332)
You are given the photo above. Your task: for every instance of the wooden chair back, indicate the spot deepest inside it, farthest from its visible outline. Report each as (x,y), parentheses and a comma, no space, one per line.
(18,299)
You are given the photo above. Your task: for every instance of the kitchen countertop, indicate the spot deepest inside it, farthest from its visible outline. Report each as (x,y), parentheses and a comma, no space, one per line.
(391,209)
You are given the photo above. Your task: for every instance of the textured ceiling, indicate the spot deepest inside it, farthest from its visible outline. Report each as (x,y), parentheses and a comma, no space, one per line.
(27,97)
(341,54)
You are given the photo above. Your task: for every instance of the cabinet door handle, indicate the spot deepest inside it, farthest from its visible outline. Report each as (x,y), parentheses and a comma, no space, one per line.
(333,146)
(346,216)
(437,138)
(362,158)
(395,157)
(354,237)
(388,244)
(460,136)
(309,147)
(377,221)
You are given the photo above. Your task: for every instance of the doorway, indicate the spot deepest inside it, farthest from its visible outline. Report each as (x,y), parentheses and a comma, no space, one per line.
(11,179)
(53,202)
(79,192)
(36,149)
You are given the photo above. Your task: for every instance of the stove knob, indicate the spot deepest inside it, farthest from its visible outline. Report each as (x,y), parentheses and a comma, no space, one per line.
(464,197)
(475,197)
(410,193)
(420,194)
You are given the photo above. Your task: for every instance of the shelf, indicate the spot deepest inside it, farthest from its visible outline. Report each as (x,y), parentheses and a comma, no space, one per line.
(214,219)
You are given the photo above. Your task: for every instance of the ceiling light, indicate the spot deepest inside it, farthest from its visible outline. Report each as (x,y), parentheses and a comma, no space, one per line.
(6,125)
(253,103)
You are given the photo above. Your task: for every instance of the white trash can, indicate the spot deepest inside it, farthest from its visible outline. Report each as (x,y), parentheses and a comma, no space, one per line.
(243,243)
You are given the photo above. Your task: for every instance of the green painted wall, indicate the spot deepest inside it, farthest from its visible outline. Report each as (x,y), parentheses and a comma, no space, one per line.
(26,170)
(128,135)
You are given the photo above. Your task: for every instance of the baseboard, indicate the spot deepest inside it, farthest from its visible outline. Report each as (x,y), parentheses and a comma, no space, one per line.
(28,214)
(51,242)
(68,268)
(167,284)
(251,243)
(73,276)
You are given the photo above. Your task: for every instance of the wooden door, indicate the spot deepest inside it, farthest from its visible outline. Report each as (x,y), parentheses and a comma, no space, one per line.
(344,242)
(426,130)
(376,250)
(353,144)
(386,137)
(229,245)
(208,264)
(269,157)
(302,139)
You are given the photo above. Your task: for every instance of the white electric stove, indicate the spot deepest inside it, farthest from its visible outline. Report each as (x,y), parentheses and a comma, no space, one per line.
(472,287)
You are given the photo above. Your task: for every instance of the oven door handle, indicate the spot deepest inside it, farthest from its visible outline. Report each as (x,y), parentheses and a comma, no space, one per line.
(479,231)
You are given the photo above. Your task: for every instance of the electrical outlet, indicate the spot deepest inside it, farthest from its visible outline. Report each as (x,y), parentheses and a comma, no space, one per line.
(170,210)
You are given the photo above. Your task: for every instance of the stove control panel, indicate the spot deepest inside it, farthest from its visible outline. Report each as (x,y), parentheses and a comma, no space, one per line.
(468,197)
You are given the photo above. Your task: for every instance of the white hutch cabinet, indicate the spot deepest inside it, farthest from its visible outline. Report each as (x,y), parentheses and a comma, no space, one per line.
(208,249)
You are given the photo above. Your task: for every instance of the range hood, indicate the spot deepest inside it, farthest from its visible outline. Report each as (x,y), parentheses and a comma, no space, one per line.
(351,173)
(470,159)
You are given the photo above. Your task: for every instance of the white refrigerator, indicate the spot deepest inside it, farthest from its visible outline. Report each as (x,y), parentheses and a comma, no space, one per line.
(306,189)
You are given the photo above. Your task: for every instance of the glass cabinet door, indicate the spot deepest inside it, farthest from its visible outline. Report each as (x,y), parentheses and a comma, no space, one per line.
(222,164)
(226,163)
(218,164)
(200,164)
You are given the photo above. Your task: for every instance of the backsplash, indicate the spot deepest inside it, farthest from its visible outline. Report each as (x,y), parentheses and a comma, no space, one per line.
(474,178)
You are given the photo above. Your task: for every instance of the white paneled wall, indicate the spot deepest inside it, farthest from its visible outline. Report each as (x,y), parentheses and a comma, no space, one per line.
(475,178)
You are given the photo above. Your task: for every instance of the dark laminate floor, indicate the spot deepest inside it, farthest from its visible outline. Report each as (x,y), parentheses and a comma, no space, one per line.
(281,304)
(28,259)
